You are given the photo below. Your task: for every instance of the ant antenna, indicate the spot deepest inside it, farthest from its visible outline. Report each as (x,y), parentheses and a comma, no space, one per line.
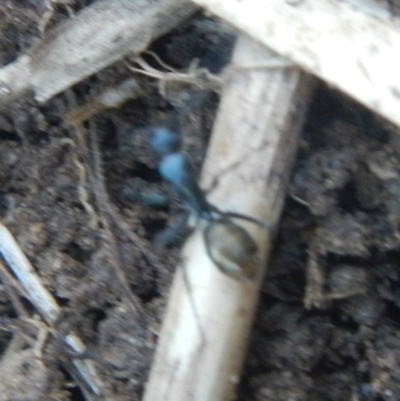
(239,216)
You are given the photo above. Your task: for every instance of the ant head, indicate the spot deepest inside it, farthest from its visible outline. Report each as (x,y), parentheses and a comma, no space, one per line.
(164,141)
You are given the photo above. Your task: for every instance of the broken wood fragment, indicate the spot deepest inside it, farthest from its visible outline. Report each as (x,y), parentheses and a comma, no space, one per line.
(98,36)
(341,44)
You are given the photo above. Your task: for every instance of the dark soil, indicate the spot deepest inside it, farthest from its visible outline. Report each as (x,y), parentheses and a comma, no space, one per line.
(328,323)
(344,213)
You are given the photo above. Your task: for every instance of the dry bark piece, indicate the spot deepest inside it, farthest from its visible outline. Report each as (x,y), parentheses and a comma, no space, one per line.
(98,36)
(342,44)
(111,98)
(209,314)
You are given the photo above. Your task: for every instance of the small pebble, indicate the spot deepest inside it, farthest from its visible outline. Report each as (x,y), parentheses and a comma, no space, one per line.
(9,158)
(364,310)
(346,279)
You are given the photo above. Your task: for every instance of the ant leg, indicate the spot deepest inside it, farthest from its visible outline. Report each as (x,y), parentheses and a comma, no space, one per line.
(239,216)
(135,192)
(173,235)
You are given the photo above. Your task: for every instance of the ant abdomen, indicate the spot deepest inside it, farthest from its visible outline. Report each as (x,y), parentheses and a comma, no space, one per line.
(232,249)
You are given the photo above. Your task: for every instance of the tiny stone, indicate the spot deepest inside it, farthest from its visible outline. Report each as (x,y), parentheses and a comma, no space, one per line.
(364,310)
(346,279)
(10,158)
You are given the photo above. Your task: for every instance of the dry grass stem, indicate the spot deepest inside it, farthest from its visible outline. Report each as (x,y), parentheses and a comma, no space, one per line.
(200,77)
(104,205)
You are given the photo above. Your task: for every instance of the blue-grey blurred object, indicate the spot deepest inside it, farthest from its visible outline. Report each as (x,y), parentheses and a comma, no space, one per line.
(174,234)
(134,192)
(175,169)
(230,247)
(164,142)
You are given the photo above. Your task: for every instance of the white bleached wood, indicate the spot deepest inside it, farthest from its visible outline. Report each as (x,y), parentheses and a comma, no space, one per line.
(43,301)
(209,315)
(340,43)
(27,277)
(95,38)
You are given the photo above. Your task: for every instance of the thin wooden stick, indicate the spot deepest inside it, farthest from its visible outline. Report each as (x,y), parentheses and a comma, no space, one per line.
(209,315)
(342,44)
